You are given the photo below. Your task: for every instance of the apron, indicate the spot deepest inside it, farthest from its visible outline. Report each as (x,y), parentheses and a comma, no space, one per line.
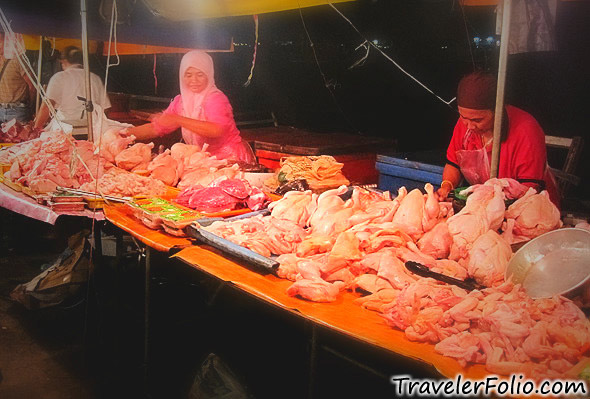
(475,167)
(474,164)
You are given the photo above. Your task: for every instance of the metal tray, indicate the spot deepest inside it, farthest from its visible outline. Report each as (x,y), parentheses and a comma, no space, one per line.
(245,255)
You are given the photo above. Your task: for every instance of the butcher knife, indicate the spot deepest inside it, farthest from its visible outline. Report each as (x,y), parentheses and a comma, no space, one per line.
(424,271)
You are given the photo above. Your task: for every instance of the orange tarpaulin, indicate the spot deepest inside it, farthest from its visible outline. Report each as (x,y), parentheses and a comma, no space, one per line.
(138,49)
(490,2)
(343,315)
(32,43)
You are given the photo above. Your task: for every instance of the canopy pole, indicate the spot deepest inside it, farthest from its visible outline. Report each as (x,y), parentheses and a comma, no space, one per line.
(39,70)
(499,112)
(89,106)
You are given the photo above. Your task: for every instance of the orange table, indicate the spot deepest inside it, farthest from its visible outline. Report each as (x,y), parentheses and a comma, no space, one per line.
(343,315)
(121,216)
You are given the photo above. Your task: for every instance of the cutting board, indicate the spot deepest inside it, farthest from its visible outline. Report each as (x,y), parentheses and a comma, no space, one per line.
(302,142)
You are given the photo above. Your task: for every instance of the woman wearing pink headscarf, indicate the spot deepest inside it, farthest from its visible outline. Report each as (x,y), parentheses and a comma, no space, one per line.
(202,111)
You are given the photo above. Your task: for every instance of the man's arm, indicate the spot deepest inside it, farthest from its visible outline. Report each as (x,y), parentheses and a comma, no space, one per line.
(43,115)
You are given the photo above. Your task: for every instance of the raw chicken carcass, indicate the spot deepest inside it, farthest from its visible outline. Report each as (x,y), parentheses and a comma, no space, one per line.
(436,242)
(483,211)
(328,203)
(370,283)
(316,290)
(370,206)
(295,206)
(431,208)
(409,215)
(345,249)
(163,167)
(488,259)
(136,157)
(533,214)
(182,152)
(511,188)
(378,300)
(112,143)
(205,177)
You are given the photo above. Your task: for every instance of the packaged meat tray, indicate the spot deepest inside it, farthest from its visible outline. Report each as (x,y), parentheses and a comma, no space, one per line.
(94,202)
(63,197)
(66,206)
(158,213)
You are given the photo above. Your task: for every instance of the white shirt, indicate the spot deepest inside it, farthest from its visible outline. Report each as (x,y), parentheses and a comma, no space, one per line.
(64,88)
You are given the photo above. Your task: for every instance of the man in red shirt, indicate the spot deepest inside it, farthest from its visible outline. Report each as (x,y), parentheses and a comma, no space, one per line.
(523,155)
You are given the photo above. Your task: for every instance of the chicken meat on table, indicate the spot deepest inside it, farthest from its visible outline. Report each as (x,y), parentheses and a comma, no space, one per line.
(330,244)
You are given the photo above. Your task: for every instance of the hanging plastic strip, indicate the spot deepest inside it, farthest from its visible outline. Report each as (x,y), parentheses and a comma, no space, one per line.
(255,51)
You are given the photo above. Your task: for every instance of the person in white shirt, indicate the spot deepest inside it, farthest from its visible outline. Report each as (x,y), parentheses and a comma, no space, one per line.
(66,86)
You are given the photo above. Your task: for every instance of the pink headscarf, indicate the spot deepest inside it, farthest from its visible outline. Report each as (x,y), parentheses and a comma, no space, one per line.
(192,103)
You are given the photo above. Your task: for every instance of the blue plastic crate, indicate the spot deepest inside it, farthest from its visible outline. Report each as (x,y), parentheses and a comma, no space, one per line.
(396,172)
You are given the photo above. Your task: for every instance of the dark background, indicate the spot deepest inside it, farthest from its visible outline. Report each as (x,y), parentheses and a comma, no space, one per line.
(431,39)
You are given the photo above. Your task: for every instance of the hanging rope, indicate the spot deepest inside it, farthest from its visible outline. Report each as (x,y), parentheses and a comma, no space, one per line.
(390,59)
(329,84)
(467,33)
(361,62)
(255,51)
(155,76)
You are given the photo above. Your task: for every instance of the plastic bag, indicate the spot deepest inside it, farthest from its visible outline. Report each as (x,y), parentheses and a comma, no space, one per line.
(60,280)
(293,185)
(215,380)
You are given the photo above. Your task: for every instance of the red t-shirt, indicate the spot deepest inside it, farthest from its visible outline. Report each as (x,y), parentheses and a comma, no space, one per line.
(523,155)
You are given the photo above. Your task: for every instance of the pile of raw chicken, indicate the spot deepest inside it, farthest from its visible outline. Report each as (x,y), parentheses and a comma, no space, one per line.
(326,244)
(56,159)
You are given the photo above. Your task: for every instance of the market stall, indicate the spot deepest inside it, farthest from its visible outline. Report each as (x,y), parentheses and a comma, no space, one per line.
(343,310)
(342,252)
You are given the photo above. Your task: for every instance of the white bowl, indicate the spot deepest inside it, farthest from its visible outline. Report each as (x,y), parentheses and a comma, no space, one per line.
(555,263)
(257,179)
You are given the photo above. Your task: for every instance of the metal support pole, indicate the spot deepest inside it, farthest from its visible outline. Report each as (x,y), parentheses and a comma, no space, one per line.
(499,112)
(39,70)
(89,106)
(148,260)
(312,361)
